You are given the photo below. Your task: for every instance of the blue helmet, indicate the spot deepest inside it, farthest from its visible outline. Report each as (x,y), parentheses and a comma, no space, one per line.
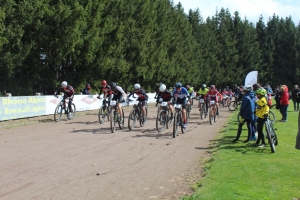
(178,85)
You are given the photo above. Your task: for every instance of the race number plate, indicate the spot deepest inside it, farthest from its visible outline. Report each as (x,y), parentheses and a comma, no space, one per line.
(201,100)
(212,102)
(113,103)
(164,104)
(160,99)
(178,106)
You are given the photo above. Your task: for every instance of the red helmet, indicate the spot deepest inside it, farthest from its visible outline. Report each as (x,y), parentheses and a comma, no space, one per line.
(103,82)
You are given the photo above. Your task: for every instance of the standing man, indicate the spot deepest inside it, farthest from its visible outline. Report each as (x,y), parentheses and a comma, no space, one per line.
(295,97)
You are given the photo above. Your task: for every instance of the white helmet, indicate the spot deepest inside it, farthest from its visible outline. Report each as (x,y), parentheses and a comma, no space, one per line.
(137,86)
(64,84)
(162,87)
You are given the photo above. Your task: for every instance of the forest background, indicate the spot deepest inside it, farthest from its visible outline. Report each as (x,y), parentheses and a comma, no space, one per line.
(44,42)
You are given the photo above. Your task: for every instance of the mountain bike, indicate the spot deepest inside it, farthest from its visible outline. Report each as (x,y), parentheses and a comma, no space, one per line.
(104,112)
(178,121)
(136,114)
(272,116)
(63,106)
(115,116)
(163,118)
(212,112)
(202,106)
(271,134)
(233,105)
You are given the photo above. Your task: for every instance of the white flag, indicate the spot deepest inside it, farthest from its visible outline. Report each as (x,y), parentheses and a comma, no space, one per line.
(251,78)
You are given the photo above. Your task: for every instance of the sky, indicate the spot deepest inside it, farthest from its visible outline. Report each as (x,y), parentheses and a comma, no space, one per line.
(251,9)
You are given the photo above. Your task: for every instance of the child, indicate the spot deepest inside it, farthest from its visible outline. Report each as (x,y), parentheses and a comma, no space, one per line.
(262,112)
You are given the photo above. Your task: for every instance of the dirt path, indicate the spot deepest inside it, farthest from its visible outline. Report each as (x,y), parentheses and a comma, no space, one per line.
(82,159)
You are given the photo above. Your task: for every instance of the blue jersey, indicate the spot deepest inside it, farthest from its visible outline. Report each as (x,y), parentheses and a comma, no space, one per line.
(183,93)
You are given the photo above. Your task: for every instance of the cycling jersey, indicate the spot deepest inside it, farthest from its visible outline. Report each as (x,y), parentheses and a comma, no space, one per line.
(213,95)
(142,96)
(166,95)
(106,90)
(118,94)
(182,94)
(68,92)
(203,92)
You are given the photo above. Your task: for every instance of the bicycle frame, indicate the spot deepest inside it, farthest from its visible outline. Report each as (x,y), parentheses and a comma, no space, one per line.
(212,112)
(136,114)
(178,120)
(115,116)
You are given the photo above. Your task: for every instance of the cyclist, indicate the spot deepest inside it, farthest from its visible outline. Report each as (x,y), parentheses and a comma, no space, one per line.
(202,91)
(107,92)
(166,96)
(142,97)
(262,112)
(118,95)
(191,93)
(226,96)
(68,91)
(180,94)
(236,91)
(213,94)
(157,91)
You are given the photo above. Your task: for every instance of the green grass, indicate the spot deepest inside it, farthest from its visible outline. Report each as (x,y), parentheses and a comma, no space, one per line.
(240,171)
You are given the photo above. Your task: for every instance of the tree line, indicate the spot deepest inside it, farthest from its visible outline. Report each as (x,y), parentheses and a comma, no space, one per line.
(44,42)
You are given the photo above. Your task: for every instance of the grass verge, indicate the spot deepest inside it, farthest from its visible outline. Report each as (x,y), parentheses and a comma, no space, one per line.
(240,171)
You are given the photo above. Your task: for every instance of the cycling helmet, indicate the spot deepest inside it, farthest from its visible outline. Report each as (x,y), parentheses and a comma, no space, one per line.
(212,87)
(247,88)
(261,91)
(64,84)
(113,85)
(234,85)
(203,86)
(178,85)
(137,86)
(162,87)
(187,86)
(103,82)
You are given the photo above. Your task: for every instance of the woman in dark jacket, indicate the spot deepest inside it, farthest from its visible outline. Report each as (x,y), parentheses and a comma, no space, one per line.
(295,97)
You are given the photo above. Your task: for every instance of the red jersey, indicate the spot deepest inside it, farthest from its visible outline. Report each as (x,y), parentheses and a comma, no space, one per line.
(213,95)
(106,90)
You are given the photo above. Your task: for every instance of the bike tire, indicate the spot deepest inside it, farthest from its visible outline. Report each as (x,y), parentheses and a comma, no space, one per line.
(132,119)
(215,115)
(161,121)
(175,125)
(183,130)
(58,113)
(202,113)
(71,115)
(143,123)
(169,120)
(121,123)
(211,119)
(272,117)
(102,115)
(113,118)
(269,136)
(232,106)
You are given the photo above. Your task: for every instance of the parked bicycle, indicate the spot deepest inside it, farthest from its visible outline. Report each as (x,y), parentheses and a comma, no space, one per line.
(212,112)
(104,112)
(137,115)
(202,106)
(272,116)
(271,134)
(115,116)
(178,121)
(63,107)
(163,118)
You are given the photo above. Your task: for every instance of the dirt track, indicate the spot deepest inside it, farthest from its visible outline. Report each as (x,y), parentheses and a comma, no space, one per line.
(82,159)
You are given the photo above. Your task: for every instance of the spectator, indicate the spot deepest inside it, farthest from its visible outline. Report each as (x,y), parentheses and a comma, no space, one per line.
(295,97)
(297,146)
(277,97)
(87,89)
(284,102)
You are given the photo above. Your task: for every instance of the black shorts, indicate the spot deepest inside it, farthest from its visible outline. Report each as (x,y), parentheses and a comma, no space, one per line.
(118,98)
(182,102)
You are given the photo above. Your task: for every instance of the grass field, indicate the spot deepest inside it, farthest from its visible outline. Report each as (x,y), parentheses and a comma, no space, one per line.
(241,171)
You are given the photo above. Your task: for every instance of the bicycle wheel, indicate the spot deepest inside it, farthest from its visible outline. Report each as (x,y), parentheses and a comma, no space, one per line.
(71,115)
(161,121)
(121,123)
(215,115)
(202,112)
(169,120)
(272,117)
(113,119)
(188,111)
(232,106)
(269,136)
(211,117)
(102,114)
(58,113)
(176,124)
(143,122)
(183,130)
(132,119)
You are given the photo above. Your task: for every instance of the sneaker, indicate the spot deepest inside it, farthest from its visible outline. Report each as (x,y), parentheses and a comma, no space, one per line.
(262,145)
(233,140)
(184,125)
(218,113)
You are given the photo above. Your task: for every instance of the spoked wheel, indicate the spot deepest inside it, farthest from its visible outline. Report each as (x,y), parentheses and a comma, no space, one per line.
(132,119)
(161,121)
(202,114)
(169,120)
(176,124)
(215,115)
(211,117)
(232,106)
(272,117)
(58,113)
(269,136)
(102,115)
(121,123)
(71,115)
(143,121)
(183,130)
(188,110)
(113,121)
